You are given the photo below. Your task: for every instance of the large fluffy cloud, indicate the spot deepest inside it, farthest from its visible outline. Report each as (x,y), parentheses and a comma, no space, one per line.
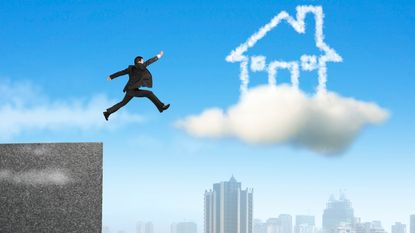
(325,123)
(23,107)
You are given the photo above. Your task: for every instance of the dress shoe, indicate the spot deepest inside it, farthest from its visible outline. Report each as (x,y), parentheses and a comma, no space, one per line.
(106,115)
(165,107)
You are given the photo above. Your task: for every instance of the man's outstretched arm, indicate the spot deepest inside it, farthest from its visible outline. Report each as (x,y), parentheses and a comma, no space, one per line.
(118,74)
(153,59)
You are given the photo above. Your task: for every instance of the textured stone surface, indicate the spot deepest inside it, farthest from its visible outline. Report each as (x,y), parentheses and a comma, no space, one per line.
(55,187)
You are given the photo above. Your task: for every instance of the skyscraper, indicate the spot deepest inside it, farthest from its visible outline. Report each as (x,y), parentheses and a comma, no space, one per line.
(398,228)
(337,212)
(412,223)
(228,209)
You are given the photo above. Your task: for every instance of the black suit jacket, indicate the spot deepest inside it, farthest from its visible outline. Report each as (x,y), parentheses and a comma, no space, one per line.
(138,74)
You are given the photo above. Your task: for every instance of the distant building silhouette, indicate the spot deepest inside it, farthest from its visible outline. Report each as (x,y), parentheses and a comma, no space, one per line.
(144,227)
(228,208)
(338,212)
(304,224)
(273,225)
(149,228)
(398,228)
(412,223)
(344,228)
(106,229)
(183,227)
(362,227)
(286,223)
(368,227)
(376,227)
(259,226)
(305,219)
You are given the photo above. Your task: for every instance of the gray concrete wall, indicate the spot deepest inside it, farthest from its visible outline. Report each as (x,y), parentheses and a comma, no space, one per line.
(51,187)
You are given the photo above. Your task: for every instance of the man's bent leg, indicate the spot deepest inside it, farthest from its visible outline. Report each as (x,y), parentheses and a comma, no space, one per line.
(121,104)
(150,95)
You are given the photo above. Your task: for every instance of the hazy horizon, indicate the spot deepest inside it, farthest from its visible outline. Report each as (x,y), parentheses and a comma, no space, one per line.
(163,226)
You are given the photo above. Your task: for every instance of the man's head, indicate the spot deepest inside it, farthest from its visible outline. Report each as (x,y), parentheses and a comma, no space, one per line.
(138,59)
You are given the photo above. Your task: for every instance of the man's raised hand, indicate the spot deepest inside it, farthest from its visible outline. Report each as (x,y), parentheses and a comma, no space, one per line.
(108,78)
(161,53)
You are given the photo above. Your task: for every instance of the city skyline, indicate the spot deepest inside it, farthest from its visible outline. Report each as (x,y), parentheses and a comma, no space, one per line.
(340,207)
(314,229)
(305,220)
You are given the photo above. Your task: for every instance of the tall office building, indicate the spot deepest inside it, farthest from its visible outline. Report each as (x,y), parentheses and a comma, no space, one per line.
(183,227)
(338,212)
(228,208)
(412,224)
(304,224)
(398,228)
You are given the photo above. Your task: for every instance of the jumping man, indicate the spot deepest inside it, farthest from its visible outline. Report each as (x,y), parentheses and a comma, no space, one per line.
(138,76)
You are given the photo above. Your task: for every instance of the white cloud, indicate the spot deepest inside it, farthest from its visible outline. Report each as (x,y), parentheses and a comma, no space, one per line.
(24,108)
(50,176)
(326,123)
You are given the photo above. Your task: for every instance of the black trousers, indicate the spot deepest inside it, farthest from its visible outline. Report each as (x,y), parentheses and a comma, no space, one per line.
(136,93)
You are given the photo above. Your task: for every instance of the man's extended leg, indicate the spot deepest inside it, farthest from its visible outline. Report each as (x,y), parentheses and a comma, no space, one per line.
(150,95)
(117,106)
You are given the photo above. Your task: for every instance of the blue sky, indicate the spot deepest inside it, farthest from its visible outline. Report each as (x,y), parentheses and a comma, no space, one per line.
(64,50)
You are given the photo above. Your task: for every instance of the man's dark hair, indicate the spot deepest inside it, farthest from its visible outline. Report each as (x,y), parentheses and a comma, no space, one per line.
(138,58)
